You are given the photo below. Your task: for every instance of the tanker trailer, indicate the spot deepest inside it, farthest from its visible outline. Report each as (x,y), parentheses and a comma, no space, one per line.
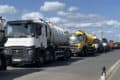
(81,43)
(35,42)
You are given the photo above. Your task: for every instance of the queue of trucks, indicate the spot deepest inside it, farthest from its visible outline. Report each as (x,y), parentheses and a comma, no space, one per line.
(84,44)
(38,42)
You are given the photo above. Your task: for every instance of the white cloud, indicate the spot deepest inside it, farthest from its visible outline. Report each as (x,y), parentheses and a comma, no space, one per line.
(62,13)
(57,20)
(106,23)
(32,15)
(6,9)
(78,24)
(86,20)
(77,15)
(73,9)
(109,32)
(118,35)
(113,23)
(52,6)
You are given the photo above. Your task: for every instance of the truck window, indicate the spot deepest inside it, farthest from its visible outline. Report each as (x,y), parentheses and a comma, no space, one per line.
(38,28)
(46,30)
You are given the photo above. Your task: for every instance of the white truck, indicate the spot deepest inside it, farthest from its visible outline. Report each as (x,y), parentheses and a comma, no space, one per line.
(35,41)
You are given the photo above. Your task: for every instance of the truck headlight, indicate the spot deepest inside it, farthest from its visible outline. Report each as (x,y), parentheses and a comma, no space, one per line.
(30,52)
(104,44)
(6,51)
(79,45)
(96,45)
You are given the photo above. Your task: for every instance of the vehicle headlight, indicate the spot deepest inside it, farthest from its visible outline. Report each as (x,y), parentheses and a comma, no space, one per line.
(104,44)
(6,51)
(79,45)
(30,52)
(96,45)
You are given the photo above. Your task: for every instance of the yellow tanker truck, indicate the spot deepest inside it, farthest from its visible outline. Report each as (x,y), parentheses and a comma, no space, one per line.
(82,43)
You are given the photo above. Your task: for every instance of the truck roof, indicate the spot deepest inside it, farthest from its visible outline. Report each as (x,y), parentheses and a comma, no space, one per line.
(78,32)
(20,21)
(26,21)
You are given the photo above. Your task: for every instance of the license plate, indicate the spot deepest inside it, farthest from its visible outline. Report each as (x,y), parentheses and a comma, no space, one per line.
(16,59)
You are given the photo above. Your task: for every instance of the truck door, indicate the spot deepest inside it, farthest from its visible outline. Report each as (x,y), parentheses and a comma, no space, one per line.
(41,39)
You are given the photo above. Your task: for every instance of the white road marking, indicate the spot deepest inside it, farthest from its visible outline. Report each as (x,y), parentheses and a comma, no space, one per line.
(112,70)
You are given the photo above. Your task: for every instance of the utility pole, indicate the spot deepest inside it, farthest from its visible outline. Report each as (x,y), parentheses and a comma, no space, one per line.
(102,35)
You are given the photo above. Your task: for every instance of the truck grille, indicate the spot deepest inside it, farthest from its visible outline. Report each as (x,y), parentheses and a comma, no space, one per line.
(18,53)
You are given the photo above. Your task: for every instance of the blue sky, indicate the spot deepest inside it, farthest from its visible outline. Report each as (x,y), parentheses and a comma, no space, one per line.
(92,16)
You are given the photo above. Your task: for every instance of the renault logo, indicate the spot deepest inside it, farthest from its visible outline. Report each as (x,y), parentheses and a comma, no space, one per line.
(17,51)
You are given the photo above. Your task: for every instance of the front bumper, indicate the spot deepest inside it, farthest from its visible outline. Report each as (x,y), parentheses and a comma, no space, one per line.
(75,49)
(16,55)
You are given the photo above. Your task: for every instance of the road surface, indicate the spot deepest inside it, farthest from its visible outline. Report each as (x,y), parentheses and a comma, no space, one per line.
(77,68)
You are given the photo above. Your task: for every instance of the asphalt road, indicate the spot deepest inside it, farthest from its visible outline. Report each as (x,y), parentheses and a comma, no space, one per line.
(77,68)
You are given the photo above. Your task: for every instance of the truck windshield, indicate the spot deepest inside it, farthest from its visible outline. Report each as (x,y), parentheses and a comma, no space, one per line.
(96,41)
(76,38)
(19,30)
(104,40)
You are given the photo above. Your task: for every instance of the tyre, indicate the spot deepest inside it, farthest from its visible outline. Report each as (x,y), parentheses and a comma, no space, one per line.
(2,63)
(47,56)
(39,58)
(39,62)
(82,53)
(85,52)
(52,56)
(68,54)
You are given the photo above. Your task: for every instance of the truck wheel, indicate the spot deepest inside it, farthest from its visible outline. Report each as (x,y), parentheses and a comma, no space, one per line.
(40,59)
(47,56)
(40,62)
(52,58)
(52,54)
(82,53)
(68,54)
(2,63)
(85,52)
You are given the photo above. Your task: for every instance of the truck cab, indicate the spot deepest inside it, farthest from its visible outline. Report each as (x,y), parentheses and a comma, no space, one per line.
(98,45)
(76,43)
(105,44)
